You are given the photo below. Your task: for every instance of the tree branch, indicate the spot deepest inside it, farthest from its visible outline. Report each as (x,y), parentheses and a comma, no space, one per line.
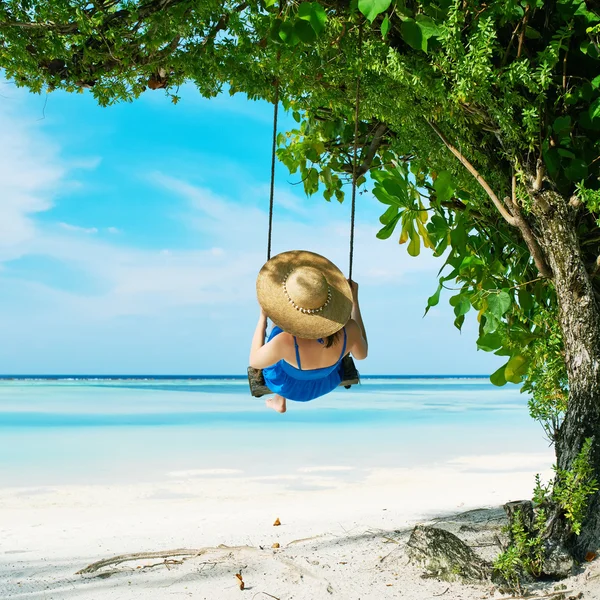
(223,22)
(523,29)
(365,165)
(528,237)
(480,180)
(513,215)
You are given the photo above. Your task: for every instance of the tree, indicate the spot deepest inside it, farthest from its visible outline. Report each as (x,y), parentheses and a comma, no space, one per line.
(479,131)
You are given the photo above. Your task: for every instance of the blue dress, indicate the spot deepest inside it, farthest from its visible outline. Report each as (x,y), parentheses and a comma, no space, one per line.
(302,385)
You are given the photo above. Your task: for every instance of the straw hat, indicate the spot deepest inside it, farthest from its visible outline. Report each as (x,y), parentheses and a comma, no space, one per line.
(305,294)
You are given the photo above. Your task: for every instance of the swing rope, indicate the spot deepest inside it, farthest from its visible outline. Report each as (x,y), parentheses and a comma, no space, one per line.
(355,156)
(273,156)
(354,160)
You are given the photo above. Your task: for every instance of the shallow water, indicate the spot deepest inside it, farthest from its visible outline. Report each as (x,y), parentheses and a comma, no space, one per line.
(102,431)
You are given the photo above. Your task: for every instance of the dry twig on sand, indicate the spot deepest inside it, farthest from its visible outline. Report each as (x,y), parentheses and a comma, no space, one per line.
(187,553)
(117,560)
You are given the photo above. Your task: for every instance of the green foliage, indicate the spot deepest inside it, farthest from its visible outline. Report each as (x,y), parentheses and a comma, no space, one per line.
(570,493)
(573,487)
(524,557)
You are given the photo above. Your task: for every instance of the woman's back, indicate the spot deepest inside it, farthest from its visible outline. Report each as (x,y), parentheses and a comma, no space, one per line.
(312,354)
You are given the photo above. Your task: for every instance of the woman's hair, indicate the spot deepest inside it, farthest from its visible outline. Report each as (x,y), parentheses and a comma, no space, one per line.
(330,340)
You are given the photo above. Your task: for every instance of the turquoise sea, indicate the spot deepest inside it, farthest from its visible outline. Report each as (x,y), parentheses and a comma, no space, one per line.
(74,430)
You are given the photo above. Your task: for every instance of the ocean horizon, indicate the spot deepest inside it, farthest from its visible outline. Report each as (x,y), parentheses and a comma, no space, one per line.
(225,376)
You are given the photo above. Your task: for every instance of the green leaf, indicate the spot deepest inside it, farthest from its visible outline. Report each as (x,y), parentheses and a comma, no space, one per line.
(288,34)
(562,124)
(385,26)
(491,323)
(576,170)
(412,34)
(498,304)
(372,8)
(315,14)
(516,367)
(311,181)
(414,246)
(269,3)
(444,186)
(596,82)
(595,109)
(434,299)
(397,188)
(388,215)
(424,234)
(489,342)
(498,378)
(552,160)
(565,153)
(458,322)
(304,31)
(386,232)
(428,26)
(525,299)
(532,34)
(461,303)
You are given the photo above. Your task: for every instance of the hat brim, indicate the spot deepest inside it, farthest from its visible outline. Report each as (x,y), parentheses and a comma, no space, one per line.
(271,296)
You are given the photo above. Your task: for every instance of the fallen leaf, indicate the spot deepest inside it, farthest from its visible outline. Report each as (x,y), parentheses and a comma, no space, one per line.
(343,563)
(590,556)
(239,576)
(389,584)
(275,545)
(277,522)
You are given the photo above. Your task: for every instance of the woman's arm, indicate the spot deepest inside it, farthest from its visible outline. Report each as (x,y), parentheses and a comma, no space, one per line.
(360,345)
(264,355)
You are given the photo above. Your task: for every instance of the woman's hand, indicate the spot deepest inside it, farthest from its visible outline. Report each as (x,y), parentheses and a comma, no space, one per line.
(262,314)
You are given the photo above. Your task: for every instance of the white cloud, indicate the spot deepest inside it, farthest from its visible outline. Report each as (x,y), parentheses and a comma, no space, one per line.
(76,228)
(31,175)
(113,230)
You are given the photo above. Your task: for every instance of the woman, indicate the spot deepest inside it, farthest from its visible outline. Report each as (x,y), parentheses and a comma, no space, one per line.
(317,321)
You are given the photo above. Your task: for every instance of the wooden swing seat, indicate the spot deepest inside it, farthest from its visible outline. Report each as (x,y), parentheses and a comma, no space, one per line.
(258,388)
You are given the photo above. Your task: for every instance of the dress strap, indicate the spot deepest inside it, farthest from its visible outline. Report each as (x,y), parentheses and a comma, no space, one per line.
(344,346)
(297,353)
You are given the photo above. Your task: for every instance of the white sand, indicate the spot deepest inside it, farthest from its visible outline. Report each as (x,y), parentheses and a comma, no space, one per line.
(346,523)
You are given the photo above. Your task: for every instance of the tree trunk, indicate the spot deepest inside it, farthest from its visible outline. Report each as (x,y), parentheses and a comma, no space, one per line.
(579,318)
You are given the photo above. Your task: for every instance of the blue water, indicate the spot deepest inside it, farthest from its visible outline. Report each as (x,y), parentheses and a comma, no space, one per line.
(134,429)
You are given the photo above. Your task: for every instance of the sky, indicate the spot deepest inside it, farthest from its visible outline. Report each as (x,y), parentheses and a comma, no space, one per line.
(131,236)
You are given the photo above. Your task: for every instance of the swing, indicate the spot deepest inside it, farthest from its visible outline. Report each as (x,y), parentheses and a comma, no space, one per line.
(350,375)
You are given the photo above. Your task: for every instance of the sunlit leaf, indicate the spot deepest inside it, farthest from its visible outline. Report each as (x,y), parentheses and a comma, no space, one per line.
(499,303)
(372,8)
(414,246)
(498,378)
(386,232)
(516,367)
(489,342)
(315,14)
(435,298)
(385,26)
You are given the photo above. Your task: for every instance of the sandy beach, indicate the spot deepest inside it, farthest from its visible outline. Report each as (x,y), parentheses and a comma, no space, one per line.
(337,538)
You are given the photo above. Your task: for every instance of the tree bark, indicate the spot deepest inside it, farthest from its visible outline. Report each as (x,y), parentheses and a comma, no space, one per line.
(579,318)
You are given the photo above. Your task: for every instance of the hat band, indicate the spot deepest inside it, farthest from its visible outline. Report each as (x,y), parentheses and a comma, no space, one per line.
(307,311)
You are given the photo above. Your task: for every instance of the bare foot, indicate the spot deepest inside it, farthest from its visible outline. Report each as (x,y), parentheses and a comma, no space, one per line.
(277,403)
